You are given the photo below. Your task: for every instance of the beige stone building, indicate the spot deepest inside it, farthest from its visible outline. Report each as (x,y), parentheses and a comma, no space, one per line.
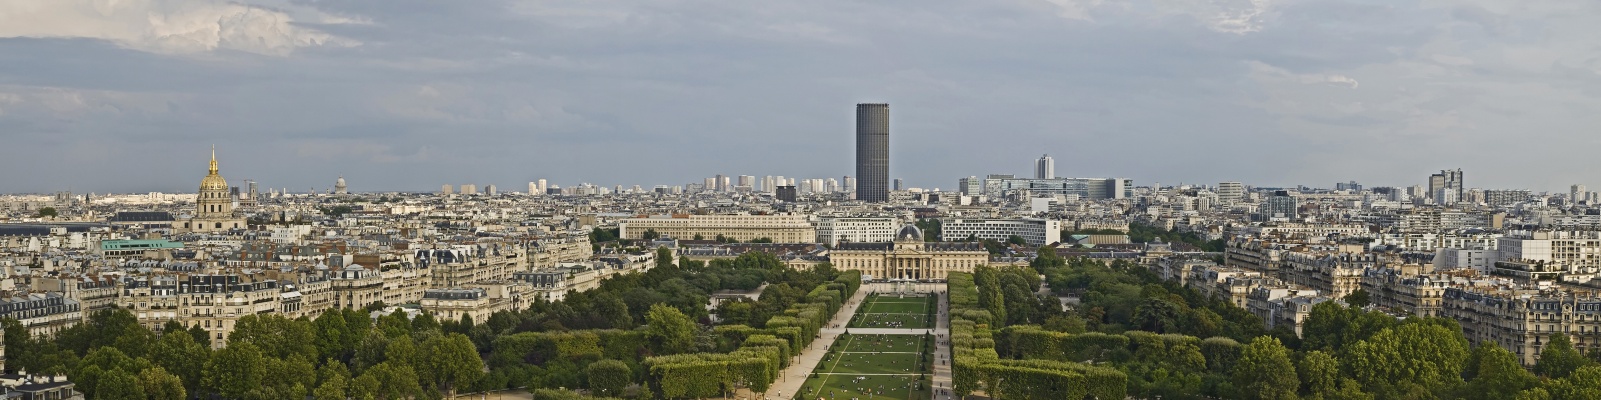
(909,257)
(1523,322)
(783,228)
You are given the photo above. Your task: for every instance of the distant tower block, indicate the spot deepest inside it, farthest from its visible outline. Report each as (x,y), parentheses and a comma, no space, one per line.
(872,152)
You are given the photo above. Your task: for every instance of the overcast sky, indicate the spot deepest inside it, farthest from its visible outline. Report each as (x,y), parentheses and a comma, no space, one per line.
(129,95)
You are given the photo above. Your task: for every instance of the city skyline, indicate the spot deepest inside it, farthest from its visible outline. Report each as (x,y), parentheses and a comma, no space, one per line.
(1271,93)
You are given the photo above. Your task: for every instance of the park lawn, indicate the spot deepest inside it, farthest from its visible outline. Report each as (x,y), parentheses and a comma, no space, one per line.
(907,321)
(877,311)
(878,360)
(841,387)
(883,305)
(877,363)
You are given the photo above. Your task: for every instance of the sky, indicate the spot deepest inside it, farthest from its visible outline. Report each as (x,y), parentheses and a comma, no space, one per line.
(130,95)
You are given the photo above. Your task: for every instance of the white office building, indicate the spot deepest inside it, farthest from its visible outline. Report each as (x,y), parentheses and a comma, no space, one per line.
(833,230)
(1037,232)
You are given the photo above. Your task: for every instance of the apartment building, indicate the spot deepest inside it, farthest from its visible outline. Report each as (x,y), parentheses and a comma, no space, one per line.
(782,228)
(1334,274)
(1578,252)
(1522,321)
(43,314)
(1405,293)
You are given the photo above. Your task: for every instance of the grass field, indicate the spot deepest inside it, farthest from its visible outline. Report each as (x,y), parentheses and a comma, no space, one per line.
(893,312)
(871,367)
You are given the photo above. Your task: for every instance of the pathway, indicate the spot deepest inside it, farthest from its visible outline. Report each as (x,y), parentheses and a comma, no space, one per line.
(794,376)
(942,351)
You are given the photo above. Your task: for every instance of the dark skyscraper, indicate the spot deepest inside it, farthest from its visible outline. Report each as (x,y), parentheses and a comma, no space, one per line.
(872,152)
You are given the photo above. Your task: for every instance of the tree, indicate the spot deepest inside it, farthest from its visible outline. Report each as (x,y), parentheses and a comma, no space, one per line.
(453,361)
(664,257)
(1358,298)
(932,229)
(1407,358)
(336,211)
(608,377)
(333,388)
(275,336)
(613,310)
(1264,371)
(600,235)
(177,353)
(1582,383)
(47,212)
(650,234)
(103,362)
(369,352)
(235,370)
(1494,373)
(1017,240)
(424,322)
(160,385)
(1320,373)
(330,331)
(117,384)
(669,330)
(1558,358)
(394,381)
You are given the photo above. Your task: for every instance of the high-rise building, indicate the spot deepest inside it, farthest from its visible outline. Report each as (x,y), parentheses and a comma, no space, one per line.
(1577,194)
(786,193)
(872,152)
(445,189)
(849,182)
(1230,192)
(533,188)
(1281,205)
(722,184)
(898,185)
(542,187)
(1045,167)
(970,186)
(489,189)
(1448,180)
(709,185)
(747,182)
(469,189)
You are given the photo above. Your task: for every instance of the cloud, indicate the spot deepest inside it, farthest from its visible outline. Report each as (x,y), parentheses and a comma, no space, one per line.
(669,91)
(1264,71)
(172,26)
(1228,16)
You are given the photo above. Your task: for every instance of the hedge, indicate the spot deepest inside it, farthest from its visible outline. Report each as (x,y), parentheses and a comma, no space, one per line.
(976,363)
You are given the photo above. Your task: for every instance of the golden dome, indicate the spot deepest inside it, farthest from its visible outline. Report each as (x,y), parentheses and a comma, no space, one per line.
(212,181)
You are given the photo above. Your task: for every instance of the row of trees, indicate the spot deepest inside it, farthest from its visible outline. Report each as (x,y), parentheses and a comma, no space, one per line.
(1209,348)
(341,354)
(346,353)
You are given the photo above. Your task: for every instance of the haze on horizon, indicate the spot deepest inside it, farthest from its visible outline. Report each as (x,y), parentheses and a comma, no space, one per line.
(128,96)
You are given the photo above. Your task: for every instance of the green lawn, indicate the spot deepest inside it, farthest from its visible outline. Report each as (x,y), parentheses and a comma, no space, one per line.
(892,312)
(871,367)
